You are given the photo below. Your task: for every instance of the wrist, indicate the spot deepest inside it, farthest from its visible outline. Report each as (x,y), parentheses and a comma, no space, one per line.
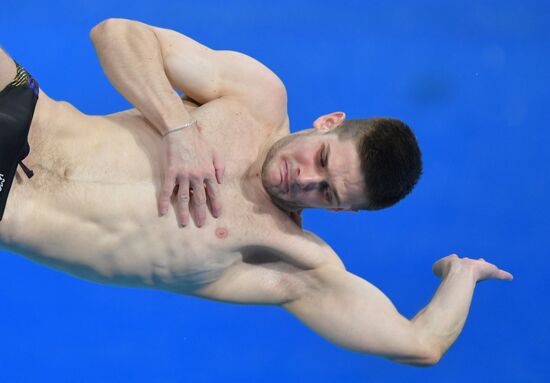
(185,126)
(459,267)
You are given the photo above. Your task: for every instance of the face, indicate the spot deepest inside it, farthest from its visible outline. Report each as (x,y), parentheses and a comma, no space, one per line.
(313,169)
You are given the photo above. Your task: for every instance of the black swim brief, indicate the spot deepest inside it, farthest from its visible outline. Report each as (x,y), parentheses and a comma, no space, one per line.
(17,102)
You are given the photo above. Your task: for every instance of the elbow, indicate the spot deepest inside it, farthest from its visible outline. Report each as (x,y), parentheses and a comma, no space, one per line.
(107,27)
(427,351)
(427,361)
(429,358)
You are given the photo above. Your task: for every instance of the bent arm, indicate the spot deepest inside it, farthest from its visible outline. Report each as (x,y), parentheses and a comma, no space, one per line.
(146,63)
(133,60)
(354,314)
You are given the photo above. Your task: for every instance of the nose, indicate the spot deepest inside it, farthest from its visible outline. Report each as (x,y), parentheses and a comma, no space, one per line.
(308,182)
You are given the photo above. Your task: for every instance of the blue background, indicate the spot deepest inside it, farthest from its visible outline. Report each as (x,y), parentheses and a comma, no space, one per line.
(470,77)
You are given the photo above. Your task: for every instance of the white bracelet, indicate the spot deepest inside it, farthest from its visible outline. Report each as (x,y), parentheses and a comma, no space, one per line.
(188,125)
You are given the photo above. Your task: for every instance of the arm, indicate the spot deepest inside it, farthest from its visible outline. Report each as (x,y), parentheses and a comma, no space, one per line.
(146,63)
(338,305)
(356,315)
(131,56)
(351,312)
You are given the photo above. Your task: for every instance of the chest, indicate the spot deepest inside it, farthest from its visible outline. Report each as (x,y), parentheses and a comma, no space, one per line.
(91,208)
(125,147)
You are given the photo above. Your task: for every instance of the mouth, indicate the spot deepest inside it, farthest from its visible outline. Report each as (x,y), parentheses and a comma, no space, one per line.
(287,178)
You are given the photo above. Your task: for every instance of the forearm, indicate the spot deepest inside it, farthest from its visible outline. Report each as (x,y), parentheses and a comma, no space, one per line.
(442,320)
(131,57)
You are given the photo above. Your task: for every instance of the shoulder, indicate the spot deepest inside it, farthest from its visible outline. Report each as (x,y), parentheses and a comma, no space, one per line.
(228,74)
(256,86)
(329,256)
(304,250)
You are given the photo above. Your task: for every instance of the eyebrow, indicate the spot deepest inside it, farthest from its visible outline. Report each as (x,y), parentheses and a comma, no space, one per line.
(332,186)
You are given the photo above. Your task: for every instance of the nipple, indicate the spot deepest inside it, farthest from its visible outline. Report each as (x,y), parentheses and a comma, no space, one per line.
(221,233)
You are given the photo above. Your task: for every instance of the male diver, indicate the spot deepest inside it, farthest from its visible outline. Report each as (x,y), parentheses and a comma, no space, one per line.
(97,204)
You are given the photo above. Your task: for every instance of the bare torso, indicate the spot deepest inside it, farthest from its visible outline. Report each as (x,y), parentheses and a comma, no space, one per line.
(91,207)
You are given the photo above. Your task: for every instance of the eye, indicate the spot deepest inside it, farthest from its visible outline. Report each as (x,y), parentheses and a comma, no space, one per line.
(323,160)
(328,194)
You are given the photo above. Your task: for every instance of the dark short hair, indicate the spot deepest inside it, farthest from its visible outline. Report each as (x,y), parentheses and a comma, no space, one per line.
(391,161)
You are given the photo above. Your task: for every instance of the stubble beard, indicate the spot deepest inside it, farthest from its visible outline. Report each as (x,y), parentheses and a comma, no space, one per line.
(274,191)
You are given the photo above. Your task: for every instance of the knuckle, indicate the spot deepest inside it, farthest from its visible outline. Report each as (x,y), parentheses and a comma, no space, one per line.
(171,170)
(181,176)
(199,199)
(195,173)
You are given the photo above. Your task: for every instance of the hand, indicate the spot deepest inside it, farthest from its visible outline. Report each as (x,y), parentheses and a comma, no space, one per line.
(194,166)
(482,269)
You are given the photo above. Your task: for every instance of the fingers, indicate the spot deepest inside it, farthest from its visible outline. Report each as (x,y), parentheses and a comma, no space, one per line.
(193,198)
(483,270)
(500,274)
(183,201)
(189,165)
(198,202)
(491,271)
(505,275)
(212,192)
(219,166)
(166,193)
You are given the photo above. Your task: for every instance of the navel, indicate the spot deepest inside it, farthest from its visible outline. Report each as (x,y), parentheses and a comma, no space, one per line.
(221,233)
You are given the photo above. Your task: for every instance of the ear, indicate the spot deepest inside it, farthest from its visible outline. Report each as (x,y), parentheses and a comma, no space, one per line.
(329,122)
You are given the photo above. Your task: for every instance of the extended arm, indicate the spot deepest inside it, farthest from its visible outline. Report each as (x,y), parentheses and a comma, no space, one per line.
(353,313)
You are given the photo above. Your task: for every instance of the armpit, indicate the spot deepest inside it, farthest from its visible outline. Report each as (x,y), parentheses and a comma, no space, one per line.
(189,102)
(264,283)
